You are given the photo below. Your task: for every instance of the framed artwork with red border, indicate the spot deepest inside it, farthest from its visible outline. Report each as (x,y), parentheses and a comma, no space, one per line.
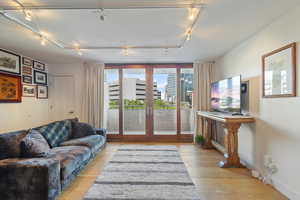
(10,88)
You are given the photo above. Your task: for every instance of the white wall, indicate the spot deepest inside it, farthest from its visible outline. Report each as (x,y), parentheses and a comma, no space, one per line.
(30,113)
(276,131)
(75,70)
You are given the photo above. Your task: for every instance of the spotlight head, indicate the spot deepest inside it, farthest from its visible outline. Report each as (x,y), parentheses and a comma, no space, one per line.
(43,41)
(102,17)
(28,16)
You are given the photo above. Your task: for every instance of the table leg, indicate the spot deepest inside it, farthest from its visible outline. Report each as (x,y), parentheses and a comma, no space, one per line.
(231,146)
(207,134)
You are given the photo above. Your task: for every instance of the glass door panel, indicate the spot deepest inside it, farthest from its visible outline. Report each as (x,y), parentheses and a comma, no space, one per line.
(111,100)
(164,101)
(134,96)
(186,92)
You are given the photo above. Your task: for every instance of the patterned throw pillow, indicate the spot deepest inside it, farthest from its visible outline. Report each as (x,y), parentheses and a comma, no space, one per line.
(56,132)
(34,145)
(82,130)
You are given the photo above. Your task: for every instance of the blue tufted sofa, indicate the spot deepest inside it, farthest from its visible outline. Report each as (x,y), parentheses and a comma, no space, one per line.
(44,178)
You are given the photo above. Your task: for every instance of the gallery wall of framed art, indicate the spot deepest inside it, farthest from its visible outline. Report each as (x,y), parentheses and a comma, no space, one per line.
(21,76)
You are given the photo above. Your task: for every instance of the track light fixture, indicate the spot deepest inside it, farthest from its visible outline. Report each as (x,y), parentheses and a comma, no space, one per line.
(189,35)
(43,41)
(101,14)
(126,52)
(28,15)
(77,49)
(192,14)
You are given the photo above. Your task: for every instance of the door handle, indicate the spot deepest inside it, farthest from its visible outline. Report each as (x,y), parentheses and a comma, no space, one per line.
(71,112)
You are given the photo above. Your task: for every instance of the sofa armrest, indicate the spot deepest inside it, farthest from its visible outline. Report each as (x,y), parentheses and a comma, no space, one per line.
(101,131)
(32,179)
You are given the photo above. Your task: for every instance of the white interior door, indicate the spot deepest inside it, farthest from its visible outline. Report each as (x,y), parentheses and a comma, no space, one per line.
(61,97)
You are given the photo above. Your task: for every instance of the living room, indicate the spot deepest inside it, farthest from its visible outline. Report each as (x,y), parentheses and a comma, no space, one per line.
(135,100)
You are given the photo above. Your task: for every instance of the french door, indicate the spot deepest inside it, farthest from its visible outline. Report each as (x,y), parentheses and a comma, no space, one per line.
(148,102)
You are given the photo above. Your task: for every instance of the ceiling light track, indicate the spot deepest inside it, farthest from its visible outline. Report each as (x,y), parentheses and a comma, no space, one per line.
(33,30)
(195,4)
(125,47)
(195,9)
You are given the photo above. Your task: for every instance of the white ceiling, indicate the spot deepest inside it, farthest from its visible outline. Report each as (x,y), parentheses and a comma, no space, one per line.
(222,25)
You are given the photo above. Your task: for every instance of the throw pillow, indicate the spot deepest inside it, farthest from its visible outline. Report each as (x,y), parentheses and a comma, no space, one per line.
(56,132)
(34,145)
(82,130)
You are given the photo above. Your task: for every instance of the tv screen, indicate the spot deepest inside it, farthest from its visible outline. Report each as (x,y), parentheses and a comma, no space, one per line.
(226,95)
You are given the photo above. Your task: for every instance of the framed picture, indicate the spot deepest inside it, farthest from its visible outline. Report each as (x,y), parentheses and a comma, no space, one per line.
(27,61)
(279,72)
(10,62)
(39,66)
(29,90)
(42,92)
(10,88)
(40,77)
(26,70)
(27,79)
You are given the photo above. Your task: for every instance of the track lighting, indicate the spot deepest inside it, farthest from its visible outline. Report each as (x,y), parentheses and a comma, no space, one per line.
(28,15)
(189,35)
(43,41)
(126,52)
(192,14)
(77,48)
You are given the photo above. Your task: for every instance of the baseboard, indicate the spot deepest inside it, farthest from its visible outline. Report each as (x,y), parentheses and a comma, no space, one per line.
(292,195)
(282,188)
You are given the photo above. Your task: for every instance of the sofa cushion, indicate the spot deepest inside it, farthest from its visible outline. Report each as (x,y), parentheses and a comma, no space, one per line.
(34,145)
(10,144)
(56,132)
(71,158)
(94,142)
(82,129)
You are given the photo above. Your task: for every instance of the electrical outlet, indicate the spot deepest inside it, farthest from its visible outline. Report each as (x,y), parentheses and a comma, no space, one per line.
(267,160)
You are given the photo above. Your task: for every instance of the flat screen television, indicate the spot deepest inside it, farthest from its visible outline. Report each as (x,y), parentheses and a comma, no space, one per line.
(226,95)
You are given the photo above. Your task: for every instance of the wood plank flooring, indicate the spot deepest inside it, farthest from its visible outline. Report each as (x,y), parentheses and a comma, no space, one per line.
(212,182)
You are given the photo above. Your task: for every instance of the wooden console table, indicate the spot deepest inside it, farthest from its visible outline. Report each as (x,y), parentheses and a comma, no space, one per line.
(231,126)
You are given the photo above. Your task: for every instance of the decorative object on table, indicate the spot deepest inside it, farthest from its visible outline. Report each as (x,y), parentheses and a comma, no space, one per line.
(39,66)
(199,139)
(279,72)
(40,77)
(42,92)
(27,79)
(27,62)
(26,70)
(10,62)
(10,88)
(29,90)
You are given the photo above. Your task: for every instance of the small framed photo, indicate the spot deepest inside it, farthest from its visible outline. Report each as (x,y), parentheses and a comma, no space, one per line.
(27,79)
(29,90)
(27,61)
(10,62)
(10,88)
(26,70)
(40,77)
(39,66)
(42,92)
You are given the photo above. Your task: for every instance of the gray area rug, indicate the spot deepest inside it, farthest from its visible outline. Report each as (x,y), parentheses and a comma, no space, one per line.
(143,172)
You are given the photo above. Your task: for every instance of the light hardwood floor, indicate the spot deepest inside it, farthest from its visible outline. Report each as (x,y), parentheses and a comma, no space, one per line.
(212,182)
